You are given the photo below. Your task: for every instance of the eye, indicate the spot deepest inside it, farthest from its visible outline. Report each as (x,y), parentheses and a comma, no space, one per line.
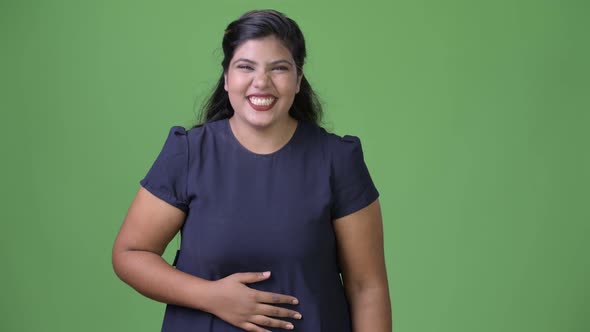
(245,67)
(281,68)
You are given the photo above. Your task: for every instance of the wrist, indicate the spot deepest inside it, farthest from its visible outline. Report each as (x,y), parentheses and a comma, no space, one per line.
(202,295)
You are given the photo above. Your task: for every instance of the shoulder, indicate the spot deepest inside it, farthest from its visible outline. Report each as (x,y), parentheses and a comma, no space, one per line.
(339,146)
(181,140)
(199,132)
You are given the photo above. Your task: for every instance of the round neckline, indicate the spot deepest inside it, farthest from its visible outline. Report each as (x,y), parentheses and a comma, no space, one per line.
(262,155)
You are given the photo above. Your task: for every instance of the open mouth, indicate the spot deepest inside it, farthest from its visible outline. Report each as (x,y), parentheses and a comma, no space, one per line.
(262,101)
(259,103)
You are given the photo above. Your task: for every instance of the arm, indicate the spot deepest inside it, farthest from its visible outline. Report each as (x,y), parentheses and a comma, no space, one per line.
(360,248)
(150,224)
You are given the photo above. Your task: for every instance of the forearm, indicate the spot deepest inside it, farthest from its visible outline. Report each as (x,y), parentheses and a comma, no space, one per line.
(152,276)
(371,309)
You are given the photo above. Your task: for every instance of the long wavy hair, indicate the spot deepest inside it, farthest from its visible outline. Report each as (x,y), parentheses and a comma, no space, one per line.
(256,24)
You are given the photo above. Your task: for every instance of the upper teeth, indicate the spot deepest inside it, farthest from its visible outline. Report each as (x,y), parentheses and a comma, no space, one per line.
(262,101)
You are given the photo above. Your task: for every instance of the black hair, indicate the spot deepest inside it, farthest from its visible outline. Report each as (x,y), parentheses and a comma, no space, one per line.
(257,24)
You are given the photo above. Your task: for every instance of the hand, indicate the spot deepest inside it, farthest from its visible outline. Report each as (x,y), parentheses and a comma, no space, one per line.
(244,307)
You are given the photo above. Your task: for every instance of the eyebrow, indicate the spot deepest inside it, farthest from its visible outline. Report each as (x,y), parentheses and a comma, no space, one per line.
(272,63)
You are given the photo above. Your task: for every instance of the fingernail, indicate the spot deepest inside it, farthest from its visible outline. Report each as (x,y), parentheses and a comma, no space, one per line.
(297,316)
(295,301)
(266,274)
(290,327)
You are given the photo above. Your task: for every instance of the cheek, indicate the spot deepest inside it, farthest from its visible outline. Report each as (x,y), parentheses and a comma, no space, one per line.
(288,86)
(237,83)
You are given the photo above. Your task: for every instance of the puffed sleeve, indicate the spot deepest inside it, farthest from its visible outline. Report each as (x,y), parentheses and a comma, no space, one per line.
(352,186)
(167,177)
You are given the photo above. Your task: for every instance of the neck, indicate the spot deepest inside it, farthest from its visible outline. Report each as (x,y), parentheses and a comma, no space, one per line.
(264,140)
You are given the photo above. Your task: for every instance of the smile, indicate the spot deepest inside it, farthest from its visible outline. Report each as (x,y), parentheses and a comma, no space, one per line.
(260,103)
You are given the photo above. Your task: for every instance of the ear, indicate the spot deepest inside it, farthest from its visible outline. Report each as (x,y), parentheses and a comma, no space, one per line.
(225,81)
(299,78)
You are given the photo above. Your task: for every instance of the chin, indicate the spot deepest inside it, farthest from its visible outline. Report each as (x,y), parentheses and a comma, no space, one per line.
(261,118)
(256,121)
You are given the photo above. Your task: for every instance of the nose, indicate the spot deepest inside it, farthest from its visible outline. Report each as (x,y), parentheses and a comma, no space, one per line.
(261,80)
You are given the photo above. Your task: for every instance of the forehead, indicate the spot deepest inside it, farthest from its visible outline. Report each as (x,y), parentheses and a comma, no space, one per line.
(265,49)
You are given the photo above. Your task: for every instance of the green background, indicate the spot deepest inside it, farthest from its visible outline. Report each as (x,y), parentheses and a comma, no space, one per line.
(473,117)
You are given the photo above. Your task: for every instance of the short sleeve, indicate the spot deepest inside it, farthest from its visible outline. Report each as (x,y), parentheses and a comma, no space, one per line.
(167,177)
(352,186)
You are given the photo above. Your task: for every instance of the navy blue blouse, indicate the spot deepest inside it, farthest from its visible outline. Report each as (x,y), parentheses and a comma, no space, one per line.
(249,212)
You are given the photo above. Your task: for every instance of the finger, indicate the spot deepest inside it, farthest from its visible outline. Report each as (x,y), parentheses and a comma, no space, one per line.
(247,326)
(267,321)
(269,310)
(250,277)
(268,297)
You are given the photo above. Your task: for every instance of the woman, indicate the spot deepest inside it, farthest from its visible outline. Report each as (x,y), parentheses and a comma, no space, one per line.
(271,207)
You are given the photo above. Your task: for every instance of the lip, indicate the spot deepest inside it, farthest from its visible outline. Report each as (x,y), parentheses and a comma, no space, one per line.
(261,95)
(261,107)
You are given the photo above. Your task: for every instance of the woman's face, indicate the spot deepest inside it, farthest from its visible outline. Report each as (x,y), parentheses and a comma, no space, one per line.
(261,82)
